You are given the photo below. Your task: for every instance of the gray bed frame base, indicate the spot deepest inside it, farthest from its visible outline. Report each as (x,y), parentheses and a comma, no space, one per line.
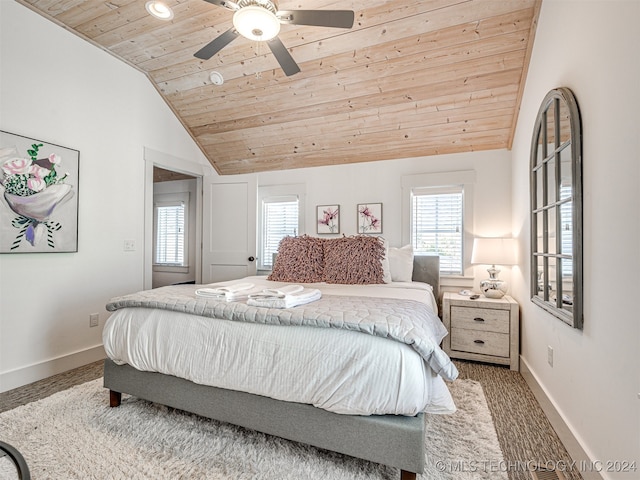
(394,440)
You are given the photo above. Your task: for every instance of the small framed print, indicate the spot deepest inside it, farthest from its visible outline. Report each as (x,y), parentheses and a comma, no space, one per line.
(369,218)
(328,219)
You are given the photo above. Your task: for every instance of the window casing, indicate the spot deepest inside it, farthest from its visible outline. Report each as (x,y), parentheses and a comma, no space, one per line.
(447,187)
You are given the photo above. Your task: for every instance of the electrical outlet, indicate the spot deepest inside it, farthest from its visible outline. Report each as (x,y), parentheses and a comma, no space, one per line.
(94,319)
(550,355)
(129,246)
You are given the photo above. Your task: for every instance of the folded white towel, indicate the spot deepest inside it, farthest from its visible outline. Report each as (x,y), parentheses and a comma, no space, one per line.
(283,291)
(230,293)
(269,300)
(233,288)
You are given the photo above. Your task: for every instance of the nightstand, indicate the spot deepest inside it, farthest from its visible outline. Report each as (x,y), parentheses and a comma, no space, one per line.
(486,329)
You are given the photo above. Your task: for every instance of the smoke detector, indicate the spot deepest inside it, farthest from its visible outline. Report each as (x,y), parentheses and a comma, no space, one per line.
(216,78)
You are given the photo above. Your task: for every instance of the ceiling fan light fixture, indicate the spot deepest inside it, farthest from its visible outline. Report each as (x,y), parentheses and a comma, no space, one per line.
(256,23)
(159,10)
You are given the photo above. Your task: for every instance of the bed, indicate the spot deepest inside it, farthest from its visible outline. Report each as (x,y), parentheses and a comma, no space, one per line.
(324,410)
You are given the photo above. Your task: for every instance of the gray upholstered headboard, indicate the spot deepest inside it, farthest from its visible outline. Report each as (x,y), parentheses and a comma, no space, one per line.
(426,268)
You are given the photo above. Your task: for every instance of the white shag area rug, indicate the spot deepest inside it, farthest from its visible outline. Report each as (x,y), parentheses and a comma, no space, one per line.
(74,434)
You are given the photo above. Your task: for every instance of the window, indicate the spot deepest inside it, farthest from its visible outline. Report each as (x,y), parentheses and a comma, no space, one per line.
(170,219)
(280,215)
(436,226)
(280,218)
(437,217)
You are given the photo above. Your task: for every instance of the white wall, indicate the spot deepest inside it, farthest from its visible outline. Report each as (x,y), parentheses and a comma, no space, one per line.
(60,89)
(592,48)
(349,185)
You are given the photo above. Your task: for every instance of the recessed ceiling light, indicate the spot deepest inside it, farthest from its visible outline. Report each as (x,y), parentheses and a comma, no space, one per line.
(159,10)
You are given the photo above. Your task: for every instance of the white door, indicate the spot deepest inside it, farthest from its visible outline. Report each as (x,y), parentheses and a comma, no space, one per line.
(229,228)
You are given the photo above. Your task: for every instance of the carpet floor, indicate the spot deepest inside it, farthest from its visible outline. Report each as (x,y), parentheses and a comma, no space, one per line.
(83,438)
(524,433)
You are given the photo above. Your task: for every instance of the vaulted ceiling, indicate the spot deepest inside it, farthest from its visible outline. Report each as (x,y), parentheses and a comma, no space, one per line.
(412,78)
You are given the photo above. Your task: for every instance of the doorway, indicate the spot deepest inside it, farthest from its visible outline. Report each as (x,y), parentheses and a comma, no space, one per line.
(174,232)
(173,210)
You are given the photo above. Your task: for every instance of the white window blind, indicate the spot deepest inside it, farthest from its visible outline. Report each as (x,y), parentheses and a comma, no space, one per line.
(170,234)
(437,226)
(279,219)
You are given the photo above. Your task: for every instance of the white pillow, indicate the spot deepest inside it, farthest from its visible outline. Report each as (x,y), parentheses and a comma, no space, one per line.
(401,263)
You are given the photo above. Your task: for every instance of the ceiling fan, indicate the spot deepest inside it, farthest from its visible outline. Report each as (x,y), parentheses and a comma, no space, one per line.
(260,20)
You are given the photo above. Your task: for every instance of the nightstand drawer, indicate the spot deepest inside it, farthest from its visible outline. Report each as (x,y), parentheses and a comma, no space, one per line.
(482,342)
(486,319)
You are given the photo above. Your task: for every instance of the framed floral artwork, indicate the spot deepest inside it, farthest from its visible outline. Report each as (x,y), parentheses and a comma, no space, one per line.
(39,203)
(369,218)
(328,218)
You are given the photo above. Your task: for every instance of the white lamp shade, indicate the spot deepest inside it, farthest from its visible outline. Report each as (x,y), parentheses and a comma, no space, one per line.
(494,251)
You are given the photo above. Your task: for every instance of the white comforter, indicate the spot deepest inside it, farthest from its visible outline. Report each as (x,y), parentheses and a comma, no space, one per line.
(338,370)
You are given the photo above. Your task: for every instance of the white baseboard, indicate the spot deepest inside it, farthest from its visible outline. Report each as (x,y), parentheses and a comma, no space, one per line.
(567,437)
(32,373)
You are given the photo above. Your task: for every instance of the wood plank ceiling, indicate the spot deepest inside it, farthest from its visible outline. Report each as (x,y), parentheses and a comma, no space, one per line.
(412,78)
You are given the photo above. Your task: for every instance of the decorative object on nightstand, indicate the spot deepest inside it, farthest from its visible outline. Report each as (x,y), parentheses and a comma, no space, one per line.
(485,329)
(494,251)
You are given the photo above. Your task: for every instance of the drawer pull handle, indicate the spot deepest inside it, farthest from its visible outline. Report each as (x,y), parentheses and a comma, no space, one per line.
(481,342)
(478,319)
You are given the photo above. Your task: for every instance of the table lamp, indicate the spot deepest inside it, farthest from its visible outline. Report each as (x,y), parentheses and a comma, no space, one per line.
(494,251)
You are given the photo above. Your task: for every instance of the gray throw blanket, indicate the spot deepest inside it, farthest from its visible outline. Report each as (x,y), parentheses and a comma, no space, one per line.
(406,321)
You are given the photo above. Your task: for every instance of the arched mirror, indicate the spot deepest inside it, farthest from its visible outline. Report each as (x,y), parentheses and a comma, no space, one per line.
(556,208)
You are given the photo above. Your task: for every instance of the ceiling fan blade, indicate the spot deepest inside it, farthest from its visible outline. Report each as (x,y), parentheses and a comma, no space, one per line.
(224,3)
(283,56)
(318,18)
(211,48)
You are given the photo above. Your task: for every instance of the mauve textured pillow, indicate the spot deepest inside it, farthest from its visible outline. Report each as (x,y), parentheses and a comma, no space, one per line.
(299,260)
(353,260)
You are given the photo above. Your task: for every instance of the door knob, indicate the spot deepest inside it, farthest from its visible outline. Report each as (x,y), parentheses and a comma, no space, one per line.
(251,259)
